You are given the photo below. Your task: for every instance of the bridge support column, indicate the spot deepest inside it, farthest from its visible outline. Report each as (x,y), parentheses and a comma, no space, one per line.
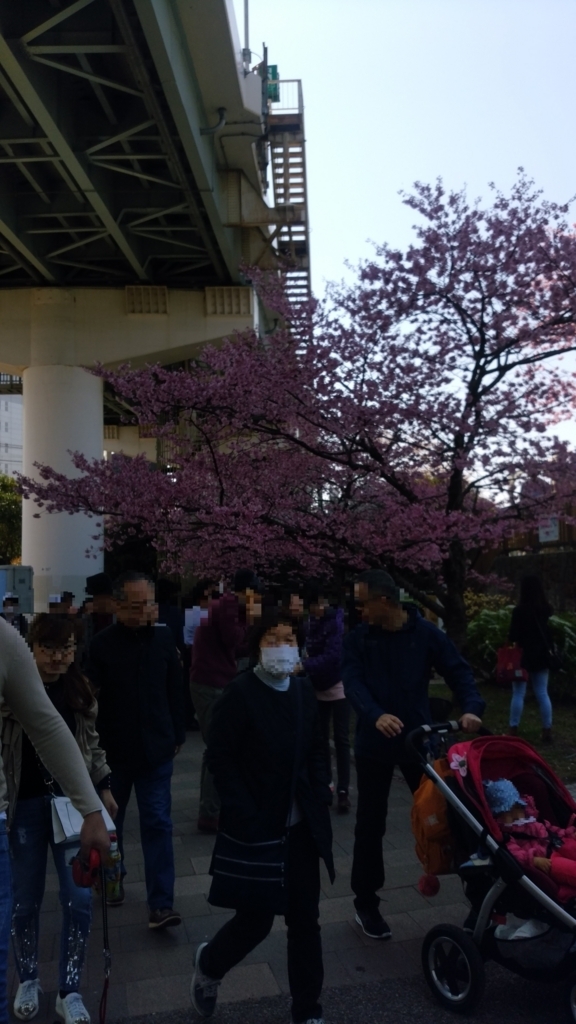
(62,413)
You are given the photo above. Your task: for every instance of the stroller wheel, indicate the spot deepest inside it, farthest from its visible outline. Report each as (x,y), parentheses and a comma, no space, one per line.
(453,967)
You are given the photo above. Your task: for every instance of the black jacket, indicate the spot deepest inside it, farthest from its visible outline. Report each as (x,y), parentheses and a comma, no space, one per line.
(141,715)
(389,673)
(530,630)
(250,753)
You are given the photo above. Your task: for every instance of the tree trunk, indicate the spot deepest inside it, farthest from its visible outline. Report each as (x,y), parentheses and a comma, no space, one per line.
(454,571)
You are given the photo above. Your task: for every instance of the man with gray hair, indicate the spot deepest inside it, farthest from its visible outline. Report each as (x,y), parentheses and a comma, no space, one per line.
(135,667)
(387,665)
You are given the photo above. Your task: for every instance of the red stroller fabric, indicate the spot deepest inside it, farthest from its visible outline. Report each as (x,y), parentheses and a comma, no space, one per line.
(505,757)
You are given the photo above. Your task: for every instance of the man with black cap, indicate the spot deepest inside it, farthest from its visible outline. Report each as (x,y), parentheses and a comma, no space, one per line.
(217,643)
(387,665)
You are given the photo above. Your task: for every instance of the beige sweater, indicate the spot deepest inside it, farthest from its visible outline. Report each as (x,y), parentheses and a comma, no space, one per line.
(22,690)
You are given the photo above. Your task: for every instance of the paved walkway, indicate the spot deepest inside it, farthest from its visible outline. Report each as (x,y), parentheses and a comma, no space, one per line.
(151,971)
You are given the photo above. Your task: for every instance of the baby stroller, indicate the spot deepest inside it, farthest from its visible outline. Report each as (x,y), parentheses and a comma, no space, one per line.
(516,917)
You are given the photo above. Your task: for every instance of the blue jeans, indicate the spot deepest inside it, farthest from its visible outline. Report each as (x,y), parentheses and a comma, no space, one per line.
(539,683)
(30,836)
(5,917)
(152,788)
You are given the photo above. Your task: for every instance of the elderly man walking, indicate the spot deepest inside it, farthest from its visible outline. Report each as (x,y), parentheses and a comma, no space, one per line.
(135,666)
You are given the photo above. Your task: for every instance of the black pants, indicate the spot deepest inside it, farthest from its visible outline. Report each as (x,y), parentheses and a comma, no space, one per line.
(339,712)
(374,781)
(248,928)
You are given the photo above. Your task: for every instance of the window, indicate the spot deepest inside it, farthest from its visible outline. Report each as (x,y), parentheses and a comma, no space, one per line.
(6,427)
(5,406)
(6,449)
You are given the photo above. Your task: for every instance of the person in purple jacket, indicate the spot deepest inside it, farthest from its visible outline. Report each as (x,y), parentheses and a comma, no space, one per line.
(323,664)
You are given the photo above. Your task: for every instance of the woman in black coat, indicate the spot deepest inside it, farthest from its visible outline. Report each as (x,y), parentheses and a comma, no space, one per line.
(266,754)
(529,629)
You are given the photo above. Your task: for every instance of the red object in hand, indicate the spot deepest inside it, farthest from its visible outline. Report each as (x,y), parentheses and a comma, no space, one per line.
(429,885)
(86,875)
(509,666)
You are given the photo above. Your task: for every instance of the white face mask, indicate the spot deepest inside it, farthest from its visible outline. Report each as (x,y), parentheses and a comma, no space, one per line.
(279,661)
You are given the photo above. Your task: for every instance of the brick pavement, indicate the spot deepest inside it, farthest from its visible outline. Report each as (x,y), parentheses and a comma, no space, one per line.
(151,971)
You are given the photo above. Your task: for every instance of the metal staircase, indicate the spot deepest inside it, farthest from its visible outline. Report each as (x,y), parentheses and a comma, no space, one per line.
(288,161)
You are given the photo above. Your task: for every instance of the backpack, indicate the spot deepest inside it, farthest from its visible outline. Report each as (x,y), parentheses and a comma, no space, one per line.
(434,842)
(509,666)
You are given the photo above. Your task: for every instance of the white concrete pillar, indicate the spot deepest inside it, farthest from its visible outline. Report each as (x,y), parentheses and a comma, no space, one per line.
(62,413)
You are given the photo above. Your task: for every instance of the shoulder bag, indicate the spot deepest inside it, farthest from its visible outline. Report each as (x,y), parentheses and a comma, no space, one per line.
(253,875)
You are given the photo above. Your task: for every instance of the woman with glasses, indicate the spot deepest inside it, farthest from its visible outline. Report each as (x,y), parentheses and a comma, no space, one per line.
(30,789)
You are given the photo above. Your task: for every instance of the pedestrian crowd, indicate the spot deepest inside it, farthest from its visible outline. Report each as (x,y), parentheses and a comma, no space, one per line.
(96,702)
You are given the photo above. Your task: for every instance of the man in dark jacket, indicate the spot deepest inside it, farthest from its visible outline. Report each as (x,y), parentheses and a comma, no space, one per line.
(387,665)
(135,667)
(218,641)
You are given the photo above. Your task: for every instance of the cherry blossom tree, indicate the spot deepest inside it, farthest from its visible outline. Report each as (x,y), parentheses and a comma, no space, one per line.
(403,420)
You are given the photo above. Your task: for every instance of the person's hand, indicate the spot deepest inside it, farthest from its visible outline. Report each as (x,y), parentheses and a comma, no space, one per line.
(177,750)
(94,836)
(470,723)
(389,726)
(544,863)
(109,802)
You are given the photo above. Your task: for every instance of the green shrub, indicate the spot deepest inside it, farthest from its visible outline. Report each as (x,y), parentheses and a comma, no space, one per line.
(489,630)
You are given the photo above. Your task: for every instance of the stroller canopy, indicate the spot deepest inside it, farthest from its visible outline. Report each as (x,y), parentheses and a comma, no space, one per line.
(508,757)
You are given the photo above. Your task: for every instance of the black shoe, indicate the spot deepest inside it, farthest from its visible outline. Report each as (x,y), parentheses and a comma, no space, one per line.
(470,922)
(164,918)
(373,924)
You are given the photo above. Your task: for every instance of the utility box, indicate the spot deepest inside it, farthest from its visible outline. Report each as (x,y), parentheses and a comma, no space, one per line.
(273,83)
(17,579)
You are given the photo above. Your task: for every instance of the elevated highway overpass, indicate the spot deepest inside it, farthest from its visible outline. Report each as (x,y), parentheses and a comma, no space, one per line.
(142,162)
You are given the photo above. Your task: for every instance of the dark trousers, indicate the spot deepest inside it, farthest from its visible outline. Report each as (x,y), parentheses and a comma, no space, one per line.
(374,781)
(248,928)
(337,711)
(152,788)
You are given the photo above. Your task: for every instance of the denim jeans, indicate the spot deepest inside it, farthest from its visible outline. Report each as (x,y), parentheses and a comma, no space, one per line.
(152,788)
(539,683)
(5,917)
(30,836)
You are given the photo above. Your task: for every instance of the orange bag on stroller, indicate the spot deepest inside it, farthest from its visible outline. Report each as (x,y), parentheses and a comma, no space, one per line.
(434,841)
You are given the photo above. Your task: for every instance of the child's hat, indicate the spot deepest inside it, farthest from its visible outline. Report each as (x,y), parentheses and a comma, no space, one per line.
(502,796)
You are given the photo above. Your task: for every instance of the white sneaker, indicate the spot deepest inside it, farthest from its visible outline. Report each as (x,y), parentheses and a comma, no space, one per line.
(27,1003)
(203,990)
(72,1009)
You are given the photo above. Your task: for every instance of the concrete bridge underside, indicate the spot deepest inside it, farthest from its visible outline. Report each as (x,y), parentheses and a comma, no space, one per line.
(124,216)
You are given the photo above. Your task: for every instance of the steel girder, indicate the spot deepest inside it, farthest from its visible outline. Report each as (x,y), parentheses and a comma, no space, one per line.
(96,186)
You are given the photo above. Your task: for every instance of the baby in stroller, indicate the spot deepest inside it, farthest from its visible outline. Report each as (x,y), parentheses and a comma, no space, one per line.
(534,843)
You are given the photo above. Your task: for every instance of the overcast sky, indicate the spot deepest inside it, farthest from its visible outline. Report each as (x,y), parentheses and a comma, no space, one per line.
(400,90)
(403,90)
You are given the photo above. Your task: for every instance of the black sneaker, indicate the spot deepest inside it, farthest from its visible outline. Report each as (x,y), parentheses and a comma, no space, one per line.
(203,990)
(373,924)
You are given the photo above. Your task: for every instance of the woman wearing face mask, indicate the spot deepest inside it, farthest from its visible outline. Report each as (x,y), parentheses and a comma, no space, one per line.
(266,754)
(52,639)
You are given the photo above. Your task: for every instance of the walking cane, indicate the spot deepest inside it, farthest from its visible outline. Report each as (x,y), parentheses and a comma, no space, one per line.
(88,876)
